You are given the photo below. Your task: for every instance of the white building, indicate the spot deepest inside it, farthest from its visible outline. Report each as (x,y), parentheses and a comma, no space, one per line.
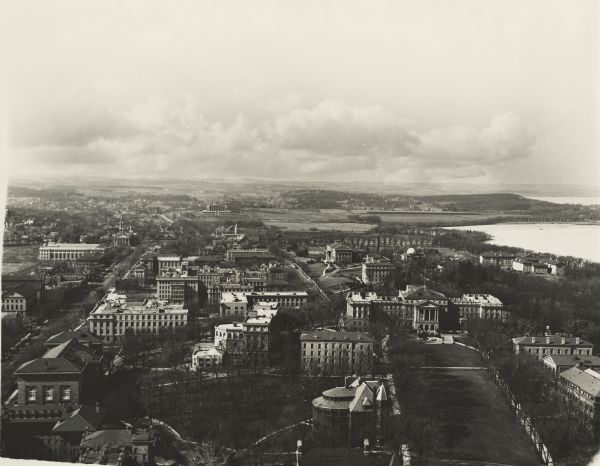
(168,263)
(233,305)
(206,357)
(113,315)
(238,253)
(480,306)
(291,299)
(376,271)
(542,346)
(58,252)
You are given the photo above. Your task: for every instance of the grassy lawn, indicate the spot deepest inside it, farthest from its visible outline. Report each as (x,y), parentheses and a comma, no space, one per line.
(474,420)
(238,410)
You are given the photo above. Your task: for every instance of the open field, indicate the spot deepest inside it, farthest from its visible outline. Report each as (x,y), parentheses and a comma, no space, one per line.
(19,259)
(337,219)
(474,420)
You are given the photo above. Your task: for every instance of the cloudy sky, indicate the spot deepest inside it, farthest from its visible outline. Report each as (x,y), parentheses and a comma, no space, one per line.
(465,90)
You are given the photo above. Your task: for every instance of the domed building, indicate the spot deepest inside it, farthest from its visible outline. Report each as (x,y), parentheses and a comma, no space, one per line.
(347,415)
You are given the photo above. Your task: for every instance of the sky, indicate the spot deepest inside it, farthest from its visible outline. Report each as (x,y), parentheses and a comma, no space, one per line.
(467,91)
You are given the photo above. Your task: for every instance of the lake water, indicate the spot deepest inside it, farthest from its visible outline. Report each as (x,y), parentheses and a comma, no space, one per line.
(568,200)
(563,239)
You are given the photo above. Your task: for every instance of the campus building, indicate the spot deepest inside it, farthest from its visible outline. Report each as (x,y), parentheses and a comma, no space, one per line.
(504,260)
(581,387)
(61,252)
(336,353)
(238,253)
(561,362)
(289,299)
(176,287)
(18,300)
(544,345)
(233,305)
(376,271)
(345,416)
(424,305)
(113,315)
(480,306)
(338,254)
(53,384)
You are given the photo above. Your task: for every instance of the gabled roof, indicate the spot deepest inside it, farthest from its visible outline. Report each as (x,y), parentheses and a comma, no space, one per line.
(85,418)
(69,356)
(81,336)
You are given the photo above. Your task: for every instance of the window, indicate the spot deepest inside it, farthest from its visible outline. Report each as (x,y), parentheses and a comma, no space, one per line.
(65,393)
(31,394)
(48,393)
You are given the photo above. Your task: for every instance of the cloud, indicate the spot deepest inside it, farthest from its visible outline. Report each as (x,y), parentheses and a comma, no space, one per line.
(328,140)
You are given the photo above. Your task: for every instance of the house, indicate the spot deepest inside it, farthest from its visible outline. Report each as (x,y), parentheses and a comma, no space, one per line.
(206,356)
(119,447)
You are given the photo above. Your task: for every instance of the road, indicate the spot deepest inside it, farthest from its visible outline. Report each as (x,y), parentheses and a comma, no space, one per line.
(311,283)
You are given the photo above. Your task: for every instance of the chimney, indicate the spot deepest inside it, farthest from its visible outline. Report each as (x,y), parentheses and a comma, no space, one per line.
(577,340)
(532,339)
(97,407)
(548,330)
(563,340)
(547,340)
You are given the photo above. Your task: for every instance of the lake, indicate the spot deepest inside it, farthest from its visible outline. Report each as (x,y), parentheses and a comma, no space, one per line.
(568,200)
(563,239)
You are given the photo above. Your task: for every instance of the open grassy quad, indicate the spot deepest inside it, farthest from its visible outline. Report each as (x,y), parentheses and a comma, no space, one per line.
(474,422)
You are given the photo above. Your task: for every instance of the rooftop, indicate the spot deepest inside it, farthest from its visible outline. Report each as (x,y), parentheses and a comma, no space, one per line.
(478,299)
(573,359)
(540,340)
(415,292)
(114,302)
(325,335)
(82,246)
(587,380)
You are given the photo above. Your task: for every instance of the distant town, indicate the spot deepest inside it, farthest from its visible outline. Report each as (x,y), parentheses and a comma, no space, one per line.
(271,325)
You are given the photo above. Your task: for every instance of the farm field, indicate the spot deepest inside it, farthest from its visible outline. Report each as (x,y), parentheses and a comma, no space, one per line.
(337,219)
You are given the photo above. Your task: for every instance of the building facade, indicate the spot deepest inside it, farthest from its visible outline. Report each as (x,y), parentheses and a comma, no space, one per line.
(338,254)
(345,416)
(60,252)
(480,306)
(113,316)
(376,271)
(336,353)
(545,345)
(581,387)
